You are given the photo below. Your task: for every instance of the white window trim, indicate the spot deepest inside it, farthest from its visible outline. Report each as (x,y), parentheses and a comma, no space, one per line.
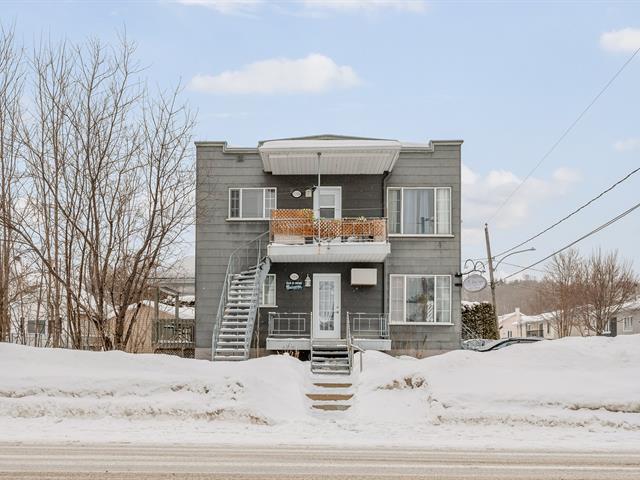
(624,327)
(435,212)
(316,200)
(275,293)
(404,300)
(264,204)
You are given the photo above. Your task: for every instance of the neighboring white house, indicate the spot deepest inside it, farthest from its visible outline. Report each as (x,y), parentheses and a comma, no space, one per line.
(517,324)
(628,318)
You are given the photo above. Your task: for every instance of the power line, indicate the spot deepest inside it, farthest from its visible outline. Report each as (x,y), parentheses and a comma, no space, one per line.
(592,232)
(604,192)
(566,132)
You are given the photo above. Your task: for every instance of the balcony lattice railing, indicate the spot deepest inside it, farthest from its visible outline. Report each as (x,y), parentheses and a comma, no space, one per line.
(297,226)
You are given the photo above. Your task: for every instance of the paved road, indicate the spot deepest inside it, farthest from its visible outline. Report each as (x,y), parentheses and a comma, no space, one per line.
(129,462)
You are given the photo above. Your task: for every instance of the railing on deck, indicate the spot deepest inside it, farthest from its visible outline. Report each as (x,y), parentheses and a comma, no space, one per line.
(289,325)
(294,227)
(174,333)
(369,325)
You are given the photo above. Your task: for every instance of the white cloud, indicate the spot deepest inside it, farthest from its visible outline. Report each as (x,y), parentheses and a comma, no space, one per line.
(415,6)
(313,74)
(225,6)
(627,145)
(482,195)
(625,40)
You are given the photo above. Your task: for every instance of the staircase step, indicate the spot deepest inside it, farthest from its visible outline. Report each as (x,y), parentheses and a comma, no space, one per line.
(332,385)
(226,357)
(330,397)
(329,407)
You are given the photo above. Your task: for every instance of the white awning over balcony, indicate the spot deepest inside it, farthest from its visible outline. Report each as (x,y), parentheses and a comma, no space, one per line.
(337,157)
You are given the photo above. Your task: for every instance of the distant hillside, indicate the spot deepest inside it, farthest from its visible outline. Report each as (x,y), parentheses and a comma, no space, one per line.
(518,293)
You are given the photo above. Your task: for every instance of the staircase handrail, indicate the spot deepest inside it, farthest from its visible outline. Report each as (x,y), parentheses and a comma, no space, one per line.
(263,269)
(233,267)
(352,346)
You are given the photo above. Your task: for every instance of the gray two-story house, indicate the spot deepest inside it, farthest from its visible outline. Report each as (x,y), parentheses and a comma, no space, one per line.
(313,241)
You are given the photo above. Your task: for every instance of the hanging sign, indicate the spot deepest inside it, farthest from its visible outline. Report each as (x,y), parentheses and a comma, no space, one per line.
(474,283)
(291,285)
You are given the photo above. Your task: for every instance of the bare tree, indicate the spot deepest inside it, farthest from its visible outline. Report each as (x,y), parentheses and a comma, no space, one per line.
(11,85)
(560,290)
(606,283)
(108,187)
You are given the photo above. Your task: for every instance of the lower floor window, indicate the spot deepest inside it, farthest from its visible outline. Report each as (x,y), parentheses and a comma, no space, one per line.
(269,291)
(627,324)
(420,298)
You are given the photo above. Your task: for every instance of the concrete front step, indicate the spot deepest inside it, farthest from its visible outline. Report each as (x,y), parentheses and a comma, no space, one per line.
(332,385)
(330,372)
(330,407)
(330,397)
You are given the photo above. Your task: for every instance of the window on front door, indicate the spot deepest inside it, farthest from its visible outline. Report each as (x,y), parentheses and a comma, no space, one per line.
(419,211)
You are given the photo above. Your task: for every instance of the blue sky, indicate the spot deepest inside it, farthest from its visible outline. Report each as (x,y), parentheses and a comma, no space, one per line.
(507,78)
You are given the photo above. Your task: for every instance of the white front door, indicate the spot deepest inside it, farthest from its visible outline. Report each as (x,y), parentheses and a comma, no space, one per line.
(326,305)
(327,202)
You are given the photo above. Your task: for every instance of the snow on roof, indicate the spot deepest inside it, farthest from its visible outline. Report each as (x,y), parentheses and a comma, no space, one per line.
(329,144)
(185,313)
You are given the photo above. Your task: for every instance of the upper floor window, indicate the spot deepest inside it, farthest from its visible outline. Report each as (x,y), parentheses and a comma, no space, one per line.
(251,203)
(419,210)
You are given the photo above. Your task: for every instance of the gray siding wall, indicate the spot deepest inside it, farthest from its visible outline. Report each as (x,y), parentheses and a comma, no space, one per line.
(364,299)
(363,195)
(428,255)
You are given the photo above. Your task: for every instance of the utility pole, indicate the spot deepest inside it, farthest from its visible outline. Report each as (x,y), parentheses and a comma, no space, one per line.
(492,283)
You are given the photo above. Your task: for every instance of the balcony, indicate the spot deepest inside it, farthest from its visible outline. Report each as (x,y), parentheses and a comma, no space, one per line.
(296,236)
(289,331)
(292,331)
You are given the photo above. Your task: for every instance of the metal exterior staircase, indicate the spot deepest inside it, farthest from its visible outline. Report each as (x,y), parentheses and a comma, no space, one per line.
(239,302)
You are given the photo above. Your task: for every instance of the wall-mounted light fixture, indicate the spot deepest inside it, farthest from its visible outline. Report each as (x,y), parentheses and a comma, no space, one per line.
(307,281)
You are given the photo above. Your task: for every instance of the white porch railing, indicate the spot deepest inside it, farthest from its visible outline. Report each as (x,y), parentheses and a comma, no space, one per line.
(369,325)
(290,324)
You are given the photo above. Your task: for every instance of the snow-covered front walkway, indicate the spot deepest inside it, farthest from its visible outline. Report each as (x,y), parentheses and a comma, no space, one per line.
(574,393)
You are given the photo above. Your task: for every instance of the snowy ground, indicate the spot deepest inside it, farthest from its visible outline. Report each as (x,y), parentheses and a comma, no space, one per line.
(570,394)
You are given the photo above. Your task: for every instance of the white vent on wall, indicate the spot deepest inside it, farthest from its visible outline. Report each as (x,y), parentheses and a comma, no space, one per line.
(364,276)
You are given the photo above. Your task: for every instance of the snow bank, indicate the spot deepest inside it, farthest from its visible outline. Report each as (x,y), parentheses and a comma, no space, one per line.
(61,384)
(580,382)
(574,393)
